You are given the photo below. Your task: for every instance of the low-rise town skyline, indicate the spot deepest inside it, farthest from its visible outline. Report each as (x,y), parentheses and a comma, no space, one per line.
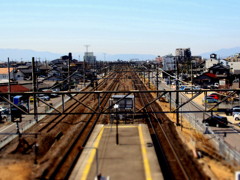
(120,89)
(25,54)
(194,69)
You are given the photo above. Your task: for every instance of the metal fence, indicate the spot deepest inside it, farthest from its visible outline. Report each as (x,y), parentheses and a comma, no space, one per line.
(231,155)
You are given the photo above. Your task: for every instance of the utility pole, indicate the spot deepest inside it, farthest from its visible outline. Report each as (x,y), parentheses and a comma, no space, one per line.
(9,89)
(149,78)
(144,75)
(69,78)
(34,89)
(177,93)
(152,76)
(84,72)
(191,76)
(157,80)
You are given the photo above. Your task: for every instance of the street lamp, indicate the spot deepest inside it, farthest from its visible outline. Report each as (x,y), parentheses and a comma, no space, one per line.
(116,106)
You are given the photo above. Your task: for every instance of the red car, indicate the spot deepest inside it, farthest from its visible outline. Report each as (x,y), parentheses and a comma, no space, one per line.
(215,96)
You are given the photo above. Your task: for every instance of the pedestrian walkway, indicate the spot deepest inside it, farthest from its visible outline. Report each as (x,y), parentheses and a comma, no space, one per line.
(133,158)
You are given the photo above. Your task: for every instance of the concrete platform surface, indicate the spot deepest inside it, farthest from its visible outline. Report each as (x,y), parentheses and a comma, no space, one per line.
(133,158)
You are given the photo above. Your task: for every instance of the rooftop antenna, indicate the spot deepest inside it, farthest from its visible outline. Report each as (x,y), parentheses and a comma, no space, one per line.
(86,47)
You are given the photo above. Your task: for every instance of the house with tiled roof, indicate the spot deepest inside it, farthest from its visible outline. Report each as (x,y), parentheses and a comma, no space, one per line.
(205,80)
(20,72)
(24,72)
(4,74)
(220,70)
(218,73)
(3,64)
(14,88)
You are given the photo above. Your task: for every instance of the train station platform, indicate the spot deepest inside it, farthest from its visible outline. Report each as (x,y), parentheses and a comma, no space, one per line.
(134,157)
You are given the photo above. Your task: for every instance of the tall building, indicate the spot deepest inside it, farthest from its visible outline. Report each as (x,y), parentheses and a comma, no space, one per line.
(183,52)
(89,58)
(169,63)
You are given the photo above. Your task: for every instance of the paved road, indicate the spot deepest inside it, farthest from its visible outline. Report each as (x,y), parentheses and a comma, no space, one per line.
(9,131)
(232,131)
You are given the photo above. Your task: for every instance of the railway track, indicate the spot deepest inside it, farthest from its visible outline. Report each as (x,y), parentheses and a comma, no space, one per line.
(83,98)
(60,157)
(55,126)
(62,167)
(174,161)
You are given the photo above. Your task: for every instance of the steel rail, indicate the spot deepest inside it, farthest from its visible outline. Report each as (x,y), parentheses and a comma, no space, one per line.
(165,166)
(90,122)
(185,174)
(71,108)
(76,158)
(124,91)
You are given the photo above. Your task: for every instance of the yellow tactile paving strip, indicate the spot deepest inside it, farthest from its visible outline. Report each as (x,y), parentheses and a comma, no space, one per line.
(143,149)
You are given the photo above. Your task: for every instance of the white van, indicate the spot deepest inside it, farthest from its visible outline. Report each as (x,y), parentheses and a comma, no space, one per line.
(235,110)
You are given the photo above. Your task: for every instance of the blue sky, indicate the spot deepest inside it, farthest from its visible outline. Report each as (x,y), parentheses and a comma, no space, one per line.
(123,26)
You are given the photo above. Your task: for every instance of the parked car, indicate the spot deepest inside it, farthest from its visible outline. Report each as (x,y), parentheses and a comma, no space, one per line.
(4,110)
(208,99)
(235,110)
(216,121)
(45,98)
(31,99)
(53,95)
(187,88)
(214,95)
(196,88)
(236,117)
(40,96)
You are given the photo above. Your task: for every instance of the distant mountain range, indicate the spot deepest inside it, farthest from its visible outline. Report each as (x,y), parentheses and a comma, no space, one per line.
(26,55)
(222,53)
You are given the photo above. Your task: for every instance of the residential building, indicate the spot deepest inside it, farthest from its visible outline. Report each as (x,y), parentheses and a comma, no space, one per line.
(14,88)
(4,74)
(210,62)
(205,80)
(23,72)
(220,70)
(169,63)
(222,73)
(235,58)
(234,67)
(224,62)
(183,52)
